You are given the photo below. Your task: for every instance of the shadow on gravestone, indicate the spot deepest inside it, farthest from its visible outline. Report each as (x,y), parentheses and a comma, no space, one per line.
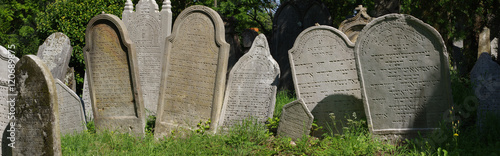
(337,104)
(295,121)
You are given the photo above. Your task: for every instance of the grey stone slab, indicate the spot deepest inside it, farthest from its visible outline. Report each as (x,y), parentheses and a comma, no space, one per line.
(113,77)
(484,43)
(404,74)
(87,101)
(296,120)
(36,121)
(485,79)
(148,29)
(71,117)
(251,87)
(56,53)
(69,78)
(7,87)
(194,72)
(325,76)
(352,26)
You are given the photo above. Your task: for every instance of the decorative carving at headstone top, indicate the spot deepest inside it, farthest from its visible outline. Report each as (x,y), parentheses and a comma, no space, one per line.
(71,117)
(7,62)
(484,42)
(148,29)
(296,120)
(290,20)
(56,53)
(36,112)
(251,87)
(404,75)
(113,77)
(352,26)
(194,72)
(325,75)
(87,101)
(485,79)
(69,79)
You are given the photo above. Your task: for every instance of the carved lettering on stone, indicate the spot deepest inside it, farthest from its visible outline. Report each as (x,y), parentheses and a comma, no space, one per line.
(71,117)
(56,53)
(296,120)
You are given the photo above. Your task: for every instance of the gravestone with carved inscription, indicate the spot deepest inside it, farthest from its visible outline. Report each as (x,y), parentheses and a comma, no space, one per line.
(71,117)
(352,26)
(251,87)
(296,120)
(56,52)
(325,75)
(113,76)
(404,75)
(148,27)
(7,64)
(485,79)
(36,112)
(87,102)
(194,72)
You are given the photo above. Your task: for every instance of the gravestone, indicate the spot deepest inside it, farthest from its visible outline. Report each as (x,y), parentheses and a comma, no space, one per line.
(194,72)
(148,29)
(494,49)
(36,121)
(71,117)
(404,75)
(69,79)
(56,53)
(113,77)
(290,20)
(251,87)
(7,64)
(352,26)
(295,121)
(485,79)
(248,36)
(87,101)
(484,42)
(325,75)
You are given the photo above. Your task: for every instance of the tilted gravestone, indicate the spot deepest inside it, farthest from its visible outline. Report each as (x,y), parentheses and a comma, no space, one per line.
(112,75)
(36,121)
(87,101)
(71,117)
(7,64)
(404,74)
(325,76)
(194,72)
(290,20)
(56,53)
(251,87)
(352,26)
(296,120)
(485,78)
(69,79)
(148,29)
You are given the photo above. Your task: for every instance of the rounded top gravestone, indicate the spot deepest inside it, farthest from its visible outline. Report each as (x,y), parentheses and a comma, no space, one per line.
(56,53)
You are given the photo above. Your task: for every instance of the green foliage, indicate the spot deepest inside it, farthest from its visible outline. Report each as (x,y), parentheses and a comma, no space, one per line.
(202,127)
(91,127)
(150,124)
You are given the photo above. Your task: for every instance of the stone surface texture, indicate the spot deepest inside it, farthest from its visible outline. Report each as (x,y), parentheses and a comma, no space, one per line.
(7,63)
(56,53)
(71,117)
(296,120)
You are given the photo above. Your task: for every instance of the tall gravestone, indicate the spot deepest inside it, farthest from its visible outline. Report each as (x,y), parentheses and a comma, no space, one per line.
(113,79)
(87,101)
(485,78)
(7,63)
(148,29)
(352,26)
(36,111)
(404,74)
(194,72)
(251,87)
(296,120)
(71,117)
(290,20)
(325,75)
(56,53)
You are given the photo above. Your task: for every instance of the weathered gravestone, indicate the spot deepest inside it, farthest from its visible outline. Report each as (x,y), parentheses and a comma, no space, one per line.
(36,111)
(194,72)
(56,53)
(87,101)
(112,75)
(352,26)
(148,29)
(484,44)
(251,87)
(403,68)
(69,79)
(325,75)
(290,20)
(296,120)
(7,64)
(485,78)
(71,117)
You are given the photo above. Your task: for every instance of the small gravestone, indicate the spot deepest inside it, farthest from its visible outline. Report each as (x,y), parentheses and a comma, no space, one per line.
(112,75)
(291,18)
(325,76)
(148,29)
(485,78)
(56,53)
(69,79)
(71,117)
(296,120)
(7,64)
(87,103)
(36,112)
(404,75)
(194,72)
(251,87)
(352,26)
